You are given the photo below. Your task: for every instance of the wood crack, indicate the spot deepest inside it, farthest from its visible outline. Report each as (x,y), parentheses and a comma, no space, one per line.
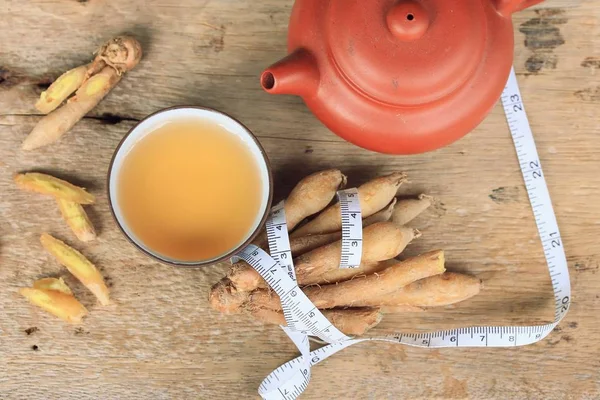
(298,139)
(112,119)
(105,118)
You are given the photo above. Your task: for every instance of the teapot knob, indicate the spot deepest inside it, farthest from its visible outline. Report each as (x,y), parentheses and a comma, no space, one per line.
(407,20)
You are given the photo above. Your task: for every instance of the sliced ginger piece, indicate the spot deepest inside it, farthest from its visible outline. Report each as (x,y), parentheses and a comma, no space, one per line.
(52,126)
(77,219)
(61,88)
(98,85)
(78,265)
(49,185)
(57,284)
(116,57)
(56,302)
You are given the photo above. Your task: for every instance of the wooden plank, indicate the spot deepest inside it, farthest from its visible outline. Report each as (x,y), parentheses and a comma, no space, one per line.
(161,340)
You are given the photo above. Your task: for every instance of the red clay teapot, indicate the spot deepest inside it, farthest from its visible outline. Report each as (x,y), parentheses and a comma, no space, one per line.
(399,77)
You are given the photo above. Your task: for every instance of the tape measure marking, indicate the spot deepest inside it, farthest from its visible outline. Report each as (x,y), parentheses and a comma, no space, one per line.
(537,190)
(351,215)
(290,379)
(279,240)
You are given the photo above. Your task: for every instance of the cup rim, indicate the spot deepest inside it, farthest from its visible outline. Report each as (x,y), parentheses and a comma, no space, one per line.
(192,264)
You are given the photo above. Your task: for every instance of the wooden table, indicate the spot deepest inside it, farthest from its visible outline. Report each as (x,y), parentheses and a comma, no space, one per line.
(160,340)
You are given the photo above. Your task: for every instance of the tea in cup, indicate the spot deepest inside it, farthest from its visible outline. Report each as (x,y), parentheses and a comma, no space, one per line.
(190,186)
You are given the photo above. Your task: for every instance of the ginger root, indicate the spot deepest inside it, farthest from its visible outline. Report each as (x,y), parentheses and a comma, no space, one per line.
(353,300)
(54,296)
(49,185)
(77,219)
(57,284)
(116,57)
(239,271)
(381,241)
(344,274)
(312,194)
(78,265)
(122,53)
(304,244)
(434,291)
(408,209)
(63,87)
(359,291)
(383,215)
(225,298)
(51,127)
(373,196)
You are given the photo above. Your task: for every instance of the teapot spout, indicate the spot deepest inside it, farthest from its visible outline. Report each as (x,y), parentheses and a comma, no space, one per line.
(295,74)
(507,7)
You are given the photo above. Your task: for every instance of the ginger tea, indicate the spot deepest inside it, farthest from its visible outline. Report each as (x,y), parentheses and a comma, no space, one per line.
(190,190)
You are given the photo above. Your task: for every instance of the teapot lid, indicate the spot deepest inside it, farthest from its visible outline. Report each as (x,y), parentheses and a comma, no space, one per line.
(407,53)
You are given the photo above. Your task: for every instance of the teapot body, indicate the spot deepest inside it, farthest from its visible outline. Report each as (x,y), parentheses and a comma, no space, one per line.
(399,77)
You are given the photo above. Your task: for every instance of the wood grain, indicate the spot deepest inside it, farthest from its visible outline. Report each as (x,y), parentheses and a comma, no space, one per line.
(160,340)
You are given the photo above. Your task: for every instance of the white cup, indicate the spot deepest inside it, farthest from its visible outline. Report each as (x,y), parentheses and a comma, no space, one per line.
(184,113)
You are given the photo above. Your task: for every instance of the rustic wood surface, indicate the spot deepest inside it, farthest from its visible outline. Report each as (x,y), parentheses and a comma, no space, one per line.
(160,340)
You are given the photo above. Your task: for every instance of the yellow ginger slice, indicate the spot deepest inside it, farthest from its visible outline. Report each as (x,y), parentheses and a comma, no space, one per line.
(60,89)
(78,265)
(54,296)
(57,284)
(49,185)
(77,219)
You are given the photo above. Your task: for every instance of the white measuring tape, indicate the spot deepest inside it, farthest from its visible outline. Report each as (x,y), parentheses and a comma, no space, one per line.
(290,379)
(300,313)
(351,215)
